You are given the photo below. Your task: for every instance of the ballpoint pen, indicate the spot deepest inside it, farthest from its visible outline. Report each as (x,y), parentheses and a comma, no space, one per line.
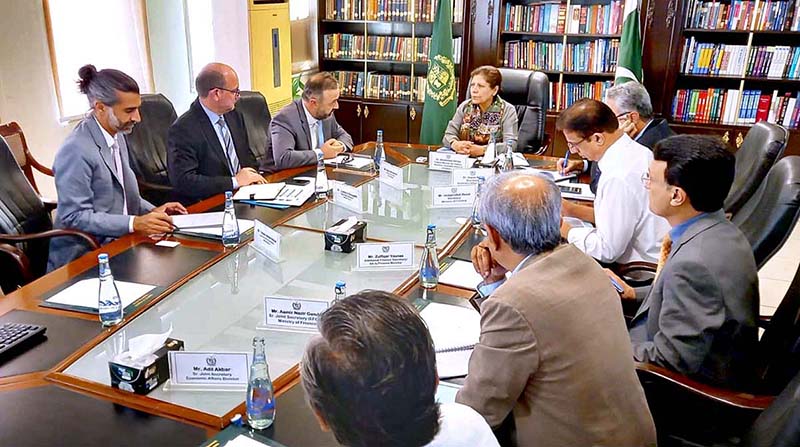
(566,160)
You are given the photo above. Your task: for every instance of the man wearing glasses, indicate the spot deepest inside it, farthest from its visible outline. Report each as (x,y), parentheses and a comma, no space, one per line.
(208,149)
(624,228)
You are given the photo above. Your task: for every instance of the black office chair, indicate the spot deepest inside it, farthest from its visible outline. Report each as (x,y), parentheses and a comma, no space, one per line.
(147,148)
(685,409)
(25,227)
(779,424)
(769,216)
(253,107)
(762,146)
(529,92)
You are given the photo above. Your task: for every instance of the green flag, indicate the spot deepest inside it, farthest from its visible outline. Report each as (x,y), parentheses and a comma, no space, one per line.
(629,65)
(440,94)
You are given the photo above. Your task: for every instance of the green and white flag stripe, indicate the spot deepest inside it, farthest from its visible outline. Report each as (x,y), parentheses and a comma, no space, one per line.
(629,64)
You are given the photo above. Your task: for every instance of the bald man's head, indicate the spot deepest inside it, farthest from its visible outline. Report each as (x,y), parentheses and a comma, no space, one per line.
(525,210)
(215,75)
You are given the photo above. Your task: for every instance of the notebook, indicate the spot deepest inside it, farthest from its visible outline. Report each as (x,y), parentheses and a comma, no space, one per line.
(455,331)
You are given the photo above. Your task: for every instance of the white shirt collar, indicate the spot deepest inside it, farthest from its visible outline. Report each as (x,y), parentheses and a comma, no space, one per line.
(311,120)
(109,139)
(615,154)
(213,116)
(639,135)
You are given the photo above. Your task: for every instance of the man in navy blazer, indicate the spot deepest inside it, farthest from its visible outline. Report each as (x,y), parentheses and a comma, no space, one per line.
(307,125)
(208,151)
(97,190)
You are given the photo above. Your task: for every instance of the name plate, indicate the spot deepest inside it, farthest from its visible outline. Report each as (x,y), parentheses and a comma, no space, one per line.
(293,313)
(387,256)
(453,196)
(348,197)
(391,175)
(447,161)
(267,241)
(208,368)
(464,177)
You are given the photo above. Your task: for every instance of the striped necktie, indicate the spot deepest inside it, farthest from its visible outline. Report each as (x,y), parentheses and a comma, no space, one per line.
(230,151)
(118,168)
(666,248)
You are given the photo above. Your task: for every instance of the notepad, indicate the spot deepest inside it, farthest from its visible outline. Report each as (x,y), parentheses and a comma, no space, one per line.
(84,293)
(183,221)
(267,191)
(215,232)
(349,162)
(243,441)
(461,274)
(455,331)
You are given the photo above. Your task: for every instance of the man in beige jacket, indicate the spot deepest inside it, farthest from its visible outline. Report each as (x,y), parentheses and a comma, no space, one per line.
(553,350)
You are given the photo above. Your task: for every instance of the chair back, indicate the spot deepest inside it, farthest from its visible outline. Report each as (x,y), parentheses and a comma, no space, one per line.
(762,146)
(147,145)
(768,218)
(15,140)
(253,107)
(529,92)
(779,424)
(21,212)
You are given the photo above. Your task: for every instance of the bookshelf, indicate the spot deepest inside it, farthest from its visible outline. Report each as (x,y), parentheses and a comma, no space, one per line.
(378,50)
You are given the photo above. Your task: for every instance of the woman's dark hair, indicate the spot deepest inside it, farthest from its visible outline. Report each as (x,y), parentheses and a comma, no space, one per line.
(492,75)
(103,85)
(371,374)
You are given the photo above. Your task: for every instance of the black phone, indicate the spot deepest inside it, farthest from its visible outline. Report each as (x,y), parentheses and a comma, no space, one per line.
(298,182)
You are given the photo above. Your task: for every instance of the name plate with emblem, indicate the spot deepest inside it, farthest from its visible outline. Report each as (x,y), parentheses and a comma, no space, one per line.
(208,369)
(447,161)
(295,314)
(386,256)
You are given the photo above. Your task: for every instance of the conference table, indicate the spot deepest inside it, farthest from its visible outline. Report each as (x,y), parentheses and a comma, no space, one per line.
(212,299)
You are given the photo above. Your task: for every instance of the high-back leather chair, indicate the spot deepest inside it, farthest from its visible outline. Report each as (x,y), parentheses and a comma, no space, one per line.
(147,148)
(529,92)
(779,424)
(762,146)
(768,217)
(15,139)
(25,226)
(253,107)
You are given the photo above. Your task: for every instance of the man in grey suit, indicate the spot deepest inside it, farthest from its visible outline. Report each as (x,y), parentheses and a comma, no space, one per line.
(699,318)
(97,190)
(307,126)
(553,349)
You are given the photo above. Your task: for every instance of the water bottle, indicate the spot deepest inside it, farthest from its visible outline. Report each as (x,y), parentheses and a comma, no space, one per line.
(490,154)
(339,291)
(508,160)
(476,207)
(109,304)
(260,396)
(429,266)
(379,155)
(321,180)
(230,226)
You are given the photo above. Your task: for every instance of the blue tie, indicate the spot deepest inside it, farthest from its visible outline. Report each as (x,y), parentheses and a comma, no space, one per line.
(320,135)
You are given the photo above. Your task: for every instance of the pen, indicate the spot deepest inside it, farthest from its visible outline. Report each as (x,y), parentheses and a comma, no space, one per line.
(566,160)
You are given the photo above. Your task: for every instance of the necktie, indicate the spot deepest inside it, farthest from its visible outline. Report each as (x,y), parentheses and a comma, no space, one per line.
(230,151)
(118,168)
(320,135)
(666,248)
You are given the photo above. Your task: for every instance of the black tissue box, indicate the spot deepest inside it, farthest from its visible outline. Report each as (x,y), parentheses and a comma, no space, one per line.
(345,241)
(142,380)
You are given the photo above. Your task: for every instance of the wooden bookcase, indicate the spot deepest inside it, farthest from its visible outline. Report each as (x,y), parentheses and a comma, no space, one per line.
(378,50)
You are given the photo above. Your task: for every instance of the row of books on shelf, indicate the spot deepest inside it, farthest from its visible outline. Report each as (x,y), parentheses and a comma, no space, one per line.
(384,48)
(596,56)
(735,107)
(569,92)
(382,86)
(389,10)
(739,60)
(554,17)
(744,15)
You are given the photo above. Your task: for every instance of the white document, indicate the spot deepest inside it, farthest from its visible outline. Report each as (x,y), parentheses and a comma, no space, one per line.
(461,274)
(455,331)
(348,197)
(574,222)
(84,293)
(391,175)
(208,368)
(447,161)
(243,441)
(553,175)
(216,231)
(267,241)
(183,221)
(388,256)
(267,191)
(453,196)
(463,177)
(294,195)
(576,191)
(446,392)
(354,162)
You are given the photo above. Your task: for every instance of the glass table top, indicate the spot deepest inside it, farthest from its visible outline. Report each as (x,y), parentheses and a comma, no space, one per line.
(393,214)
(221,309)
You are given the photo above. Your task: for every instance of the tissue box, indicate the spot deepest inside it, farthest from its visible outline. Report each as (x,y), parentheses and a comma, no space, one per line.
(143,379)
(344,241)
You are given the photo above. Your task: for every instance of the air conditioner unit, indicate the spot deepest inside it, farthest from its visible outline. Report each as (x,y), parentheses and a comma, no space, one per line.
(271,52)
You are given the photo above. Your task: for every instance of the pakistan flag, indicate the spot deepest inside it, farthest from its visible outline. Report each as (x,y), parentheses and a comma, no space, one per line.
(629,65)
(440,95)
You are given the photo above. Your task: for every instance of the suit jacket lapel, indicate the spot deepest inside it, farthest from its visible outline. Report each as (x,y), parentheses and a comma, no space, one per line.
(303,121)
(105,151)
(209,133)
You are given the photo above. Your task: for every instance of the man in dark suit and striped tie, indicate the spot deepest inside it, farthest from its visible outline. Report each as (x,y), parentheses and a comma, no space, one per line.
(208,149)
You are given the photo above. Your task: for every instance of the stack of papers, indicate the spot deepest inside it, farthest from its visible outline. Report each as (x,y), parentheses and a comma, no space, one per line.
(289,195)
(455,331)
(350,161)
(205,224)
(461,274)
(268,191)
(84,293)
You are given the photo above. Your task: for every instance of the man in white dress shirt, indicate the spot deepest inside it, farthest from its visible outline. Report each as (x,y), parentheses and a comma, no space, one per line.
(625,230)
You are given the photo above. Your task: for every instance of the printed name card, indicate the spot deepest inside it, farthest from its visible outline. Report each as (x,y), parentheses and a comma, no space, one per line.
(389,256)
(348,197)
(293,313)
(463,177)
(391,175)
(447,161)
(208,368)
(453,196)
(267,241)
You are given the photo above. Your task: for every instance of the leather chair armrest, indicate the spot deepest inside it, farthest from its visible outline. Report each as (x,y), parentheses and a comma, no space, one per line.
(35,163)
(153,186)
(50,204)
(19,258)
(732,398)
(12,239)
(636,274)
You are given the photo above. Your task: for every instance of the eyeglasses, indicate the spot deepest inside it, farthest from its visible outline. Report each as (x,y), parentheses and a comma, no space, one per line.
(620,115)
(574,145)
(236,92)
